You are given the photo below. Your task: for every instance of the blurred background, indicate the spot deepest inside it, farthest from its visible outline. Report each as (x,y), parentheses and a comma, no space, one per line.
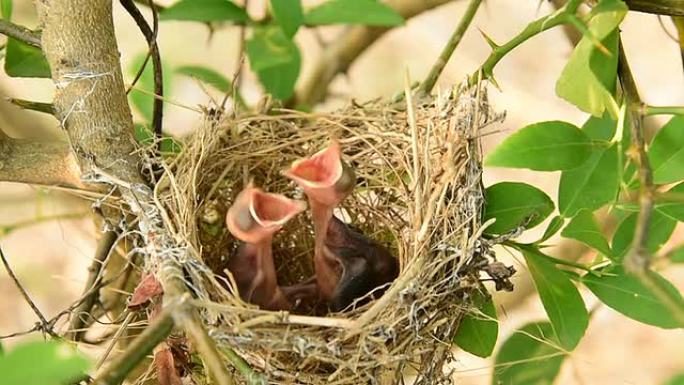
(49,237)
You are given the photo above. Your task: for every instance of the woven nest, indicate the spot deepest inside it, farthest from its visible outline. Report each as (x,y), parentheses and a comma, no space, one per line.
(419,193)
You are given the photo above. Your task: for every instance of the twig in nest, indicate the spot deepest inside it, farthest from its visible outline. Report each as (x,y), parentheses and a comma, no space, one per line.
(151,37)
(638,259)
(102,253)
(45,326)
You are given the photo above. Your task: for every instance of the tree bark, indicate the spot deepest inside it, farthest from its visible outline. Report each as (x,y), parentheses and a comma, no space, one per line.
(38,162)
(90,101)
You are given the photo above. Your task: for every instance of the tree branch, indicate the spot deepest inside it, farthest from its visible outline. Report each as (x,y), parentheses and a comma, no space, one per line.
(45,326)
(90,102)
(532,29)
(20,33)
(454,40)
(339,55)
(104,247)
(141,346)
(638,259)
(151,38)
(38,162)
(46,108)
(660,7)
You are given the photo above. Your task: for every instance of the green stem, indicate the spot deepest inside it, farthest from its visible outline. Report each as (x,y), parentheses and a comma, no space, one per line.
(252,377)
(662,110)
(522,247)
(562,16)
(20,33)
(637,262)
(143,345)
(450,47)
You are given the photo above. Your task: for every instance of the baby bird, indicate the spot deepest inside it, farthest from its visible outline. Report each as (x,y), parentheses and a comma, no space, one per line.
(254,218)
(347,264)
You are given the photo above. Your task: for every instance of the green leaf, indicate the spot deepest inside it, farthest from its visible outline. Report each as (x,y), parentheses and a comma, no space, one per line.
(556,223)
(626,294)
(659,232)
(673,206)
(515,204)
(141,97)
(170,145)
(269,47)
(583,228)
(591,185)
(145,136)
(530,356)
(479,329)
(275,59)
(600,129)
(560,298)
(288,14)
(666,152)
(205,10)
(676,255)
(6,8)
(608,6)
(365,12)
(676,380)
(545,146)
(25,61)
(588,79)
(42,363)
(207,76)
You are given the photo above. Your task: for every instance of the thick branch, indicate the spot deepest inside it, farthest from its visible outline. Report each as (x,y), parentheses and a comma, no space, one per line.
(20,33)
(343,51)
(79,43)
(37,162)
(660,7)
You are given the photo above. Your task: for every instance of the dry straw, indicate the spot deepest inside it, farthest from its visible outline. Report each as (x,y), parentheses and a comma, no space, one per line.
(419,192)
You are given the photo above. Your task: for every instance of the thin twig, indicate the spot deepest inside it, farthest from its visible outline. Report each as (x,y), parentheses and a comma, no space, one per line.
(102,252)
(141,346)
(343,51)
(45,326)
(151,37)
(638,259)
(20,33)
(234,91)
(659,7)
(661,110)
(532,29)
(454,40)
(47,108)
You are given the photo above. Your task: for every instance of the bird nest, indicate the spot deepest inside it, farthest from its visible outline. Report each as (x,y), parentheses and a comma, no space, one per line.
(419,193)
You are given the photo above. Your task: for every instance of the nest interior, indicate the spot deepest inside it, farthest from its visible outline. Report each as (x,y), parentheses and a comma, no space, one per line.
(418,192)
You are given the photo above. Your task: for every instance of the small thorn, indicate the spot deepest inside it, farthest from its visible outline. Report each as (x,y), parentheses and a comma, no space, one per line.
(489,40)
(492,80)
